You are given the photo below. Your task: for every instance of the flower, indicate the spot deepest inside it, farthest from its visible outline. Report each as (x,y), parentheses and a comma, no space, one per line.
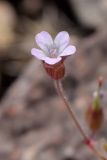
(52,51)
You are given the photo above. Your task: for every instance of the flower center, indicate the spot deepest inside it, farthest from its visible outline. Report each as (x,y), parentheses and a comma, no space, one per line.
(52,53)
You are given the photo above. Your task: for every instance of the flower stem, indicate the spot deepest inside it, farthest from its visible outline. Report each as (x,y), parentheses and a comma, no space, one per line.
(73,116)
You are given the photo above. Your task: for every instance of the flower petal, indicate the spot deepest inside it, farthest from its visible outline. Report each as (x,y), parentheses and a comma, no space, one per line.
(62,40)
(68,51)
(38,53)
(52,61)
(44,40)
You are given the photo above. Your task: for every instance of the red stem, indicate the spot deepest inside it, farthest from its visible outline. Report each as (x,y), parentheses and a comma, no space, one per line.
(73,116)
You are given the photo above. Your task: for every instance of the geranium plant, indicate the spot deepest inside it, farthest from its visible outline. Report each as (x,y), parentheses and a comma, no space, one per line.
(53,53)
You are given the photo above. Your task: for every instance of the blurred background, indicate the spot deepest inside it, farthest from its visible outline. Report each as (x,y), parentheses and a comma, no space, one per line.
(34,124)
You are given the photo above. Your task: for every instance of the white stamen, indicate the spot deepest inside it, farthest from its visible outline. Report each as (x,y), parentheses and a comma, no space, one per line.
(52,53)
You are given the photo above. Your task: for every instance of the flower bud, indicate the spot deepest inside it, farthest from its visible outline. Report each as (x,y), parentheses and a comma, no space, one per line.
(100,81)
(94,118)
(56,71)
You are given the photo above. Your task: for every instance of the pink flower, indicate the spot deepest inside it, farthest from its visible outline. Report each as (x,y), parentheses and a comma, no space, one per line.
(52,51)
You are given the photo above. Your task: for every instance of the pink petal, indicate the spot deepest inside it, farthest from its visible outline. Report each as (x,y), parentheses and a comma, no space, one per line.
(62,40)
(38,53)
(52,61)
(68,51)
(44,40)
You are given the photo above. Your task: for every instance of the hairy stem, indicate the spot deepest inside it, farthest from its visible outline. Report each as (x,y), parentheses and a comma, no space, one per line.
(73,116)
